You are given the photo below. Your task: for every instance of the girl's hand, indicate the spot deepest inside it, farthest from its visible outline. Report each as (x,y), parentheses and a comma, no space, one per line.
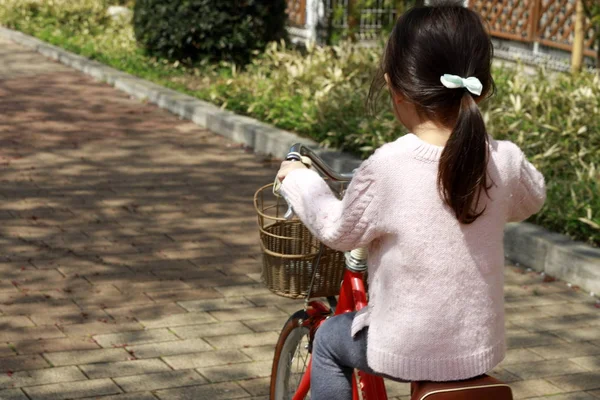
(287,167)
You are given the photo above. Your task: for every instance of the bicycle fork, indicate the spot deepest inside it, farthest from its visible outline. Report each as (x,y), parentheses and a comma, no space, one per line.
(352,298)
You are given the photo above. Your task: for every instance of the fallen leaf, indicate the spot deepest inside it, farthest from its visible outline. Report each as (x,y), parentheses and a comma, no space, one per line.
(549,278)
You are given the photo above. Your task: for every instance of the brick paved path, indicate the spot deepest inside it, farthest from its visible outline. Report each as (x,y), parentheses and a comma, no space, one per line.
(129,262)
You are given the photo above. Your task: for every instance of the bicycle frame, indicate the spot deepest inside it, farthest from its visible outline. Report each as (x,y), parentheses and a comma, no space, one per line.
(353,297)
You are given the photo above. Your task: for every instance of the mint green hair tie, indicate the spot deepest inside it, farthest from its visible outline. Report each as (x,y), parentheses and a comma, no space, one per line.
(472,84)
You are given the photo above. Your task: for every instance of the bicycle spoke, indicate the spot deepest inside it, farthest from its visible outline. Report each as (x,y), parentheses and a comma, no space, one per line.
(297,357)
(301,362)
(293,359)
(297,363)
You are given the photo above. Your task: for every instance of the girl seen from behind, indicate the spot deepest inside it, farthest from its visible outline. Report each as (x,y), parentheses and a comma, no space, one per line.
(431,208)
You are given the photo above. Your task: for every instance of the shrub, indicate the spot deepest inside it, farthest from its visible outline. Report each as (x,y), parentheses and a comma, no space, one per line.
(553,117)
(320,92)
(80,15)
(189,30)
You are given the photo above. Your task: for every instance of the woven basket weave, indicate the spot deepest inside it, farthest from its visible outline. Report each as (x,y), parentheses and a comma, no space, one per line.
(290,252)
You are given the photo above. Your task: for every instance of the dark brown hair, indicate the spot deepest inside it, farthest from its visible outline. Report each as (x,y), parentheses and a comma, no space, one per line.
(426,43)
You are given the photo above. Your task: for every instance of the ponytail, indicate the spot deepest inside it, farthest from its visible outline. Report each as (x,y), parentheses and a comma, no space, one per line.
(462,175)
(428,49)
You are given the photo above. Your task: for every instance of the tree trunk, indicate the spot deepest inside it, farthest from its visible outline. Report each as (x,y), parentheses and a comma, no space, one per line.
(579,40)
(598,53)
(353,22)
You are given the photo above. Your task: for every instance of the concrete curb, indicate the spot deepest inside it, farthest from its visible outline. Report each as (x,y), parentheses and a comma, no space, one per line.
(526,244)
(555,254)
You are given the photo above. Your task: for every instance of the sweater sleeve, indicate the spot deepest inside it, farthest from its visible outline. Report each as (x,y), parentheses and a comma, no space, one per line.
(528,192)
(340,224)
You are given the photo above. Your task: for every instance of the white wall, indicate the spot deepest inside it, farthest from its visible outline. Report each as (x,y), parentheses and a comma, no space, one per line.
(314,11)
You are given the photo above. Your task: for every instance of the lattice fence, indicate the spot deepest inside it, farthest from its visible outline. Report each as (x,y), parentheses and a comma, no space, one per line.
(373,16)
(509,19)
(549,22)
(378,15)
(296,10)
(336,13)
(557,24)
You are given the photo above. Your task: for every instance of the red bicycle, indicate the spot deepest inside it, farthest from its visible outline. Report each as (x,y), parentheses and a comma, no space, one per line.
(291,373)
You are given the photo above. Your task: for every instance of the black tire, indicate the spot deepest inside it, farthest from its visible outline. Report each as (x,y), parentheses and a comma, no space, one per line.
(291,357)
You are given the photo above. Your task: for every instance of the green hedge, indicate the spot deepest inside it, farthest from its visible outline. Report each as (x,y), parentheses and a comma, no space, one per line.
(321,94)
(208,29)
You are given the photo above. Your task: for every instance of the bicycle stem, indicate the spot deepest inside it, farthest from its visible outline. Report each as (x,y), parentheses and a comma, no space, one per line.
(356,260)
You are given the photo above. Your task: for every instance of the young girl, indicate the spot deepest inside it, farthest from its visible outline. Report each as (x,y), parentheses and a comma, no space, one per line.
(431,208)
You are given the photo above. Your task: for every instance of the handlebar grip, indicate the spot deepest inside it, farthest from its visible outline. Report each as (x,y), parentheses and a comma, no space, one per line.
(292,155)
(296,148)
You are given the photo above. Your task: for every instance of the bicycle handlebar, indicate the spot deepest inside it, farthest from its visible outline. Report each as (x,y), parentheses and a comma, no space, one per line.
(318,163)
(298,152)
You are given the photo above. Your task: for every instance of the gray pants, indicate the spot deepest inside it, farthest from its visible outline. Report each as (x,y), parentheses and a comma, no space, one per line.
(335,356)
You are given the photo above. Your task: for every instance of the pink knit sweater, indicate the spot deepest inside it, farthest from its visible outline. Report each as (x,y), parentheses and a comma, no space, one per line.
(436,304)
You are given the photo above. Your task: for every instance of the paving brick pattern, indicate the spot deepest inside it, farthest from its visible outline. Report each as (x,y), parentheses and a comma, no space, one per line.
(130,264)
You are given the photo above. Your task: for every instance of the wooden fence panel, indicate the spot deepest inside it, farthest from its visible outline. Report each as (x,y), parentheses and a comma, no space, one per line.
(508,19)
(556,27)
(549,22)
(296,10)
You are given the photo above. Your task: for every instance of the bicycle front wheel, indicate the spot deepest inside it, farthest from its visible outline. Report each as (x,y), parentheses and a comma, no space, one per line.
(292,354)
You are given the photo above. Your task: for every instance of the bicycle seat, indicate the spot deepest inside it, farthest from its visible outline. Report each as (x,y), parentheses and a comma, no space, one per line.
(481,387)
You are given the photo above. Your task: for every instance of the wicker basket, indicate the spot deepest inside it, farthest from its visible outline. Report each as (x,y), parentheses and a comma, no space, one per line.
(290,251)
